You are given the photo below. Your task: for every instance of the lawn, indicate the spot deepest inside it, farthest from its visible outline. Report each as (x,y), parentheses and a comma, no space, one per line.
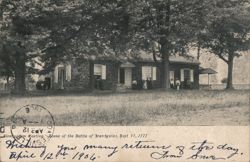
(148,108)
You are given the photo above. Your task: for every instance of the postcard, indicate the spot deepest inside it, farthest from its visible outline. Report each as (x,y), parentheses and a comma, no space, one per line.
(127,81)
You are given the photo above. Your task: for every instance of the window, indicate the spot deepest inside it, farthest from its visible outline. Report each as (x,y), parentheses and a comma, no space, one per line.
(171,77)
(148,72)
(100,70)
(68,72)
(187,75)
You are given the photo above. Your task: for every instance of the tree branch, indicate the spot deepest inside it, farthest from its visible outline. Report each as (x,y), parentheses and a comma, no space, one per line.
(154,56)
(223,58)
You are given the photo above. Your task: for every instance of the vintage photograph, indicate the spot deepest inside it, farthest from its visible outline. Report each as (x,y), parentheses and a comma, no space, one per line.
(124,80)
(125,63)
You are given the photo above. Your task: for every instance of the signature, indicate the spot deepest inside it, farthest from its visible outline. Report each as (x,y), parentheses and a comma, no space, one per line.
(199,150)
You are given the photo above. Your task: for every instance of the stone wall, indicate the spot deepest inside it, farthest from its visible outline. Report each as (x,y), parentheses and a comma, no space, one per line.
(137,73)
(111,74)
(176,67)
(79,75)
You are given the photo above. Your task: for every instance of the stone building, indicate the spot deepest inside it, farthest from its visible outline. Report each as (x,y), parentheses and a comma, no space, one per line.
(110,73)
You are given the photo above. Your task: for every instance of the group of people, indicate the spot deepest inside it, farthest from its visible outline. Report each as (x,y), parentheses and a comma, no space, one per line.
(147,84)
(143,84)
(175,84)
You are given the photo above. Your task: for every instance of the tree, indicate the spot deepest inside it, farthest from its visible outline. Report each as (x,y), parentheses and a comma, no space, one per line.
(6,64)
(228,31)
(99,29)
(198,24)
(52,31)
(19,39)
(166,27)
(30,29)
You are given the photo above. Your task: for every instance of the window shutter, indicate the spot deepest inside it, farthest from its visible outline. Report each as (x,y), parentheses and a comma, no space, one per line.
(191,75)
(104,72)
(182,75)
(68,72)
(154,73)
(56,75)
(143,70)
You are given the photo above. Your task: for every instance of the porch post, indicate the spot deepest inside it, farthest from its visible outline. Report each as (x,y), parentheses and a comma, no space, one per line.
(115,77)
(208,79)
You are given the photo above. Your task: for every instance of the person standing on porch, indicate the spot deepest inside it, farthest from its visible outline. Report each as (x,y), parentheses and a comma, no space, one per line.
(178,83)
(145,86)
(149,83)
(172,83)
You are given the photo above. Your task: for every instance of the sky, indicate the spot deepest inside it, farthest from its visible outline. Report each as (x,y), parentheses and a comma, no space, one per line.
(241,72)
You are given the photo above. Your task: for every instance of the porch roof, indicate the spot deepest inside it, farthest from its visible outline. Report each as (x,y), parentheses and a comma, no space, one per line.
(127,65)
(207,71)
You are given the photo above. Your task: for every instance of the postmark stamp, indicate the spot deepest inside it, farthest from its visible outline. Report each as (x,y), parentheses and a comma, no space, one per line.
(32,125)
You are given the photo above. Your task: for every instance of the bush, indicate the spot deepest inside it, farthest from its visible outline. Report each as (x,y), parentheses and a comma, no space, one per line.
(224,80)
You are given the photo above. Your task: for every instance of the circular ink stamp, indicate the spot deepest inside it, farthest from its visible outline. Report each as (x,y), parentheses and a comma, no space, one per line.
(32,125)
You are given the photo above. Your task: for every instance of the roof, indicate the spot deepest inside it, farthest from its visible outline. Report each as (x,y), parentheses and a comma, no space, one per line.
(207,71)
(148,57)
(127,64)
(187,59)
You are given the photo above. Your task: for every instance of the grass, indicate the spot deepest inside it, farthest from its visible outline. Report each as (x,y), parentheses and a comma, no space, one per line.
(141,108)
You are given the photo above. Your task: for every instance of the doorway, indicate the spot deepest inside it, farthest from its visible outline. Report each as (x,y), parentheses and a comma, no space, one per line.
(122,75)
(61,77)
(125,76)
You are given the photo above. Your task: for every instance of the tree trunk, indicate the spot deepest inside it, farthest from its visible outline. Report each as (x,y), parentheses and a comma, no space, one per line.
(165,68)
(198,51)
(230,72)
(91,75)
(20,70)
(164,20)
(7,87)
(8,80)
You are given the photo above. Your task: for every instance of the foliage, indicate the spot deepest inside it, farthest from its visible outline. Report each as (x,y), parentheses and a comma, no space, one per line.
(228,28)
(6,63)
(45,32)
(227,32)
(48,32)
(162,22)
(224,80)
(166,27)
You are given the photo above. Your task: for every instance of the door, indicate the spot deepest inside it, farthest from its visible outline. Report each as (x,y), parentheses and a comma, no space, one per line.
(122,76)
(128,77)
(187,78)
(172,79)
